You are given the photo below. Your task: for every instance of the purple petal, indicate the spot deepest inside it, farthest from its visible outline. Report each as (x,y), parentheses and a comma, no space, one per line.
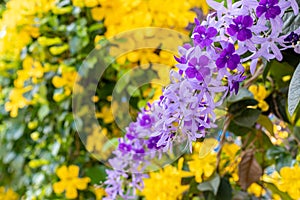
(273,12)
(203,60)
(193,62)
(220,62)
(206,42)
(235,58)
(247,21)
(191,72)
(244,34)
(260,10)
(263,2)
(230,48)
(238,20)
(232,30)
(211,32)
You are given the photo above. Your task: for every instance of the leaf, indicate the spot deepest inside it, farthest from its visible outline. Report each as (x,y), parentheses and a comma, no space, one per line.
(291,22)
(97,174)
(43,112)
(238,130)
(247,118)
(225,190)
(249,170)
(294,91)
(243,94)
(238,107)
(266,123)
(211,185)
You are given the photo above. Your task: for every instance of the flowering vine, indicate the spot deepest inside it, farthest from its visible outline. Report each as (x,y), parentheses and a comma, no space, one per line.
(208,71)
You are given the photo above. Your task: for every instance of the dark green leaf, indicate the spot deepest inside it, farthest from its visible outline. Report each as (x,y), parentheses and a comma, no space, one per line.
(247,118)
(225,190)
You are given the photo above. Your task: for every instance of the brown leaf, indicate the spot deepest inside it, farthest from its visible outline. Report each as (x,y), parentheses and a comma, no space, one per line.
(249,170)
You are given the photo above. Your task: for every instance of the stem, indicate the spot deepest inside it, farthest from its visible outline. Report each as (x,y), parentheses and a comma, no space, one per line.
(255,76)
(223,138)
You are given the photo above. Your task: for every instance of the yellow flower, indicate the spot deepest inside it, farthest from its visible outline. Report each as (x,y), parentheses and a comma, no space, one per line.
(256,189)
(69,181)
(203,163)
(67,80)
(107,113)
(290,181)
(8,194)
(230,160)
(17,100)
(260,94)
(166,184)
(99,192)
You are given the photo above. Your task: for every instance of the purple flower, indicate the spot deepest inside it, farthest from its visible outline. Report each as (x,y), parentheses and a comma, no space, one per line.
(124,148)
(227,57)
(292,38)
(202,36)
(152,142)
(241,27)
(269,7)
(145,120)
(197,68)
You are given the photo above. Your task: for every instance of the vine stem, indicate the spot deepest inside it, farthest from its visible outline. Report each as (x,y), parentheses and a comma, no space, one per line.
(223,138)
(255,76)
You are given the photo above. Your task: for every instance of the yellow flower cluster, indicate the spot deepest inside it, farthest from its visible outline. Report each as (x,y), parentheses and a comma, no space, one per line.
(17,30)
(166,184)
(290,181)
(230,160)
(260,93)
(69,181)
(8,194)
(66,81)
(203,163)
(32,72)
(142,13)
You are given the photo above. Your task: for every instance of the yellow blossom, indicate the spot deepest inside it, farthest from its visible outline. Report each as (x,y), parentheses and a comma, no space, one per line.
(290,181)
(256,189)
(230,160)
(8,194)
(166,184)
(203,163)
(17,100)
(69,181)
(107,113)
(99,192)
(260,94)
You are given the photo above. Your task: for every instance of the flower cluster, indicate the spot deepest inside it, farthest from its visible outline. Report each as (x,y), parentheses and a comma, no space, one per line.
(208,71)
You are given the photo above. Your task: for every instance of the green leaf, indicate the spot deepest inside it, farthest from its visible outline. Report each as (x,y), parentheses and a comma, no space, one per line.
(243,94)
(266,123)
(225,190)
(238,107)
(210,185)
(247,118)
(238,130)
(43,112)
(294,91)
(97,174)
